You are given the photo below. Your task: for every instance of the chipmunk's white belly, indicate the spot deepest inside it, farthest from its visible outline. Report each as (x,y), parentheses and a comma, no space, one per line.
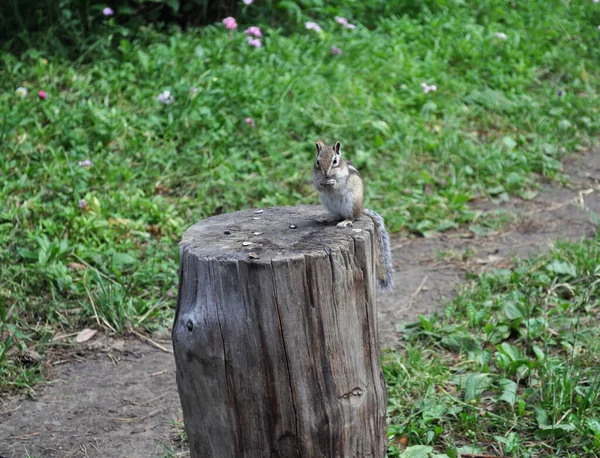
(339,204)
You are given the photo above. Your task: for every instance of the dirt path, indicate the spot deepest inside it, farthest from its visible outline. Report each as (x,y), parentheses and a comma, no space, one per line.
(117,398)
(430,270)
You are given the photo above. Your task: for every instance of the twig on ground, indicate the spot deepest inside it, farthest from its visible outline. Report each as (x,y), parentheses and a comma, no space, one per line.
(26,436)
(151,342)
(133,420)
(7,412)
(414,295)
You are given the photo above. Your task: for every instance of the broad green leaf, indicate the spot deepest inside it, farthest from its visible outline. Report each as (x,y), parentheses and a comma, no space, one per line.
(122,259)
(594,426)
(562,267)
(143,58)
(435,411)
(512,352)
(509,391)
(494,191)
(470,449)
(509,142)
(541,416)
(417,451)
(512,310)
(474,385)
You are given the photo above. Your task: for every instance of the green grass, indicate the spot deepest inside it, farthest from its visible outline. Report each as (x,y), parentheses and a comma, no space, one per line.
(495,122)
(511,368)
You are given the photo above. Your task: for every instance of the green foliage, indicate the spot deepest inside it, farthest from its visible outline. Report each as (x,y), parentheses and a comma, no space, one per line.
(494,122)
(530,389)
(72,27)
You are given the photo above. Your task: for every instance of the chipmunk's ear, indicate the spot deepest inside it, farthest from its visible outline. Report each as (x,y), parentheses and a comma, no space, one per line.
(320,146)
(337,148)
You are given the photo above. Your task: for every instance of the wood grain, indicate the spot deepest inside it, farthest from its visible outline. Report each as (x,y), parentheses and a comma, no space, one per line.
(276,341)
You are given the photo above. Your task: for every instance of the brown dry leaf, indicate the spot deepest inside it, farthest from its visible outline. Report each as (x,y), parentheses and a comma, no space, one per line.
(162,189)
(76,266)
(461,235)
(489,260)
(85,335)
(118,221)
(155,229)
(29,357)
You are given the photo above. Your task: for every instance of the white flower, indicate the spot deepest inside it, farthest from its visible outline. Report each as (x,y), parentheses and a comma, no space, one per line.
(21,92)
(248,2)
(427,88)
(312,26)
(501,36)
(166,98)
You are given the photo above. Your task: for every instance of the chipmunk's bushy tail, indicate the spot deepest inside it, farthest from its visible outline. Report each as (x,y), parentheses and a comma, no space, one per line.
(385,269)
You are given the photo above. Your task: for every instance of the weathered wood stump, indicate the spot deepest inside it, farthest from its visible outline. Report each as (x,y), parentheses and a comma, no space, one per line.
(276,341)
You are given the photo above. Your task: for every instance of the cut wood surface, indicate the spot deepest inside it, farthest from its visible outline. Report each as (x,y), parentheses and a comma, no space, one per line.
(275,337)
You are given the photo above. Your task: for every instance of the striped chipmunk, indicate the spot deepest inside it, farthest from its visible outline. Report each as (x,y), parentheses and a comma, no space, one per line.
(342,192)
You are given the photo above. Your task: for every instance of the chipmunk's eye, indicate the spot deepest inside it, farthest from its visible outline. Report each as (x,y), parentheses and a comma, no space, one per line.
(335,162)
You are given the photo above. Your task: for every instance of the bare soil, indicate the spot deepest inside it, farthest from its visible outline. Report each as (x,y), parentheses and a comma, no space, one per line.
(118,397)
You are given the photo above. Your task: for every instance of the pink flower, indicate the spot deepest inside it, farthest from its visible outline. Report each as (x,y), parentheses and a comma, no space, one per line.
(250,122)
(230,23)
(254,31)
(312,26)
(194,90)
(427,88)
(343,21)
(108,11)
(248,2)
(86,163)
(254,42)
(82,204)
(166,97)
(43,95)
(335,51)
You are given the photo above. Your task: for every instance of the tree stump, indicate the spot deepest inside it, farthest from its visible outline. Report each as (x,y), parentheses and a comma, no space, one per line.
(275,337)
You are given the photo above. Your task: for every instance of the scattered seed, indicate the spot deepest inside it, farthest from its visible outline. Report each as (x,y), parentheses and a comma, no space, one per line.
(257,233)
(256,217)
(246,243)
(258,211)
(292,226)
(226,232)
(253,255)
(356,230)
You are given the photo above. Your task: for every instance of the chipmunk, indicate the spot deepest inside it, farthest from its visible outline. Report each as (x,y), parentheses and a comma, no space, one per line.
(342,192)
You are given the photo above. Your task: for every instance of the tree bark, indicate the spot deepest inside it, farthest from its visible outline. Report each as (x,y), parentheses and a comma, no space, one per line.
(276,341)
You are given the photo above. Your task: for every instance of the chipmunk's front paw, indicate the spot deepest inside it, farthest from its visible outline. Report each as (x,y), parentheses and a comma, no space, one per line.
(345,223)
(327,183)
